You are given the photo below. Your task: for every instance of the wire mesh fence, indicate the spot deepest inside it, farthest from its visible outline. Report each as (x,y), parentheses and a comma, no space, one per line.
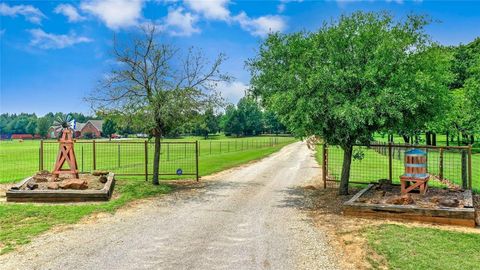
(128,158)
(124,157)
(447,166)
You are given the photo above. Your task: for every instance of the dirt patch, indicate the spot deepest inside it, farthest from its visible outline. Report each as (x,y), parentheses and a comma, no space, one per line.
(44,180)
(434,198)
(347,234)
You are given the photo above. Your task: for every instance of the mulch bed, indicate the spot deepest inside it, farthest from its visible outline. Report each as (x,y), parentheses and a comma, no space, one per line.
(434,198)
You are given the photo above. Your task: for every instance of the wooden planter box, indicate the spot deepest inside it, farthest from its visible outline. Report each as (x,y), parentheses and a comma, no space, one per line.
(61,195)
(445,215)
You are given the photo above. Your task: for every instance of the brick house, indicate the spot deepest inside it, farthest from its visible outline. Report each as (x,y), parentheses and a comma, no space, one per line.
(92,129)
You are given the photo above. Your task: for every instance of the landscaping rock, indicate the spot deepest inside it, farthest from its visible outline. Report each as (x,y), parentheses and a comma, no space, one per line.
(74,184)
(401,200)
(40,178)
(99,173)
(52,185)
(449,202)
(103,179)
(32,185)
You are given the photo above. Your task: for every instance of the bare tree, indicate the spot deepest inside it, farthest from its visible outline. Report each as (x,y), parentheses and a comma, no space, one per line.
(159,83)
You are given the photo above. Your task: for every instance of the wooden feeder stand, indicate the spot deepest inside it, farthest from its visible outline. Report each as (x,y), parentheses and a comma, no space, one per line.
(416,175)
(66,154)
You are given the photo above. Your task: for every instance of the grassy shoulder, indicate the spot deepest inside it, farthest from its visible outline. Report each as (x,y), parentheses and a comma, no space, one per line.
(20,222)
(424,248)
(399,246)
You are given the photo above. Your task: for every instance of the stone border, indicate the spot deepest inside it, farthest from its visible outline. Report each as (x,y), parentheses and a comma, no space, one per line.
(61,195)
(445,215)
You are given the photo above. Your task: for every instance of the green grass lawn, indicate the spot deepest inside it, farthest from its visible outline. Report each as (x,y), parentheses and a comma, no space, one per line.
(21,159)
(374,165)
(414,248)
(20,222)
(441,140)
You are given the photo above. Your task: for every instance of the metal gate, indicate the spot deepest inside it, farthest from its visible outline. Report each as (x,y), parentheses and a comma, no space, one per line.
(128,158)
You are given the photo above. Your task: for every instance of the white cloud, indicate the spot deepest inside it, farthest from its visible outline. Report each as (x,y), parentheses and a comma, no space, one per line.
(115,13)
(180,23)
(70,12)
(233,91)
(210,9)
(45,40)
(30,12)
(283,4)
(261,26)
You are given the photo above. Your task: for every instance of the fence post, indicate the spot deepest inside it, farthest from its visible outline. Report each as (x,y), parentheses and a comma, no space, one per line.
(470,166)
(41,155)
(146,160)
(196,159)
(324,165)
(464,170)
(118,155)
(83,170)
(390,173)
(94,155)
(441,164)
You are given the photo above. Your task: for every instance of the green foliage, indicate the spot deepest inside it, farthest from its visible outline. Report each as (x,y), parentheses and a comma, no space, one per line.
(109,127)
(43,124)
(362,74)
(207,123)
(244,119)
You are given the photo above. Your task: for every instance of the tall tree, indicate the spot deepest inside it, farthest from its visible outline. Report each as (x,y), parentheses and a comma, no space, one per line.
(363,74)
(109,127)
(43,124)
(158,82)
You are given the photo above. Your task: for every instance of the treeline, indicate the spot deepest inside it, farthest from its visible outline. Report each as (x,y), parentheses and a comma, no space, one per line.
(25,123)
(459,117)
(246,118)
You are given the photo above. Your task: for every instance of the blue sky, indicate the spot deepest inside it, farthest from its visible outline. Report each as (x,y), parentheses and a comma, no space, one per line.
(53,52)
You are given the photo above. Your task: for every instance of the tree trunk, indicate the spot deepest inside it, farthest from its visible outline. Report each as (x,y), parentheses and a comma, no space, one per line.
(472,139)
(434,139)
(428,138)
(448,135)
(458,138)
(156,160)
(347,161)
(406,139)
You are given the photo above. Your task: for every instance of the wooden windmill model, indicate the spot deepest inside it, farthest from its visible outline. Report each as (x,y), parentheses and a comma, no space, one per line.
(66,153)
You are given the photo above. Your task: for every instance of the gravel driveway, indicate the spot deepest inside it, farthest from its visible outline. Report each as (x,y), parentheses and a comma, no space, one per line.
(245,218)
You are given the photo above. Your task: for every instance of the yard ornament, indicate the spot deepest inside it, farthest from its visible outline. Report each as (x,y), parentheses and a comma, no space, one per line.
(66,151)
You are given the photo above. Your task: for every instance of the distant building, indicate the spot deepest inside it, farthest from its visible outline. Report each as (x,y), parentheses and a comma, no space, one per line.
(90,129)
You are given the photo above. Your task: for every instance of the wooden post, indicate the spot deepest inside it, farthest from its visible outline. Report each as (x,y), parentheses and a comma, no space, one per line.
(441,164)
(390,173)
(470,166)
(118,155)
(94,156)
(82,160)
(196,159)
(146,160)
(464,170)
(324,165)
(41,155)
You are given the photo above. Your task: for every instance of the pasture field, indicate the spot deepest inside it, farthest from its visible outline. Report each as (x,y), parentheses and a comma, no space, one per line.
(374,165)
(20,159)
(423,249)
(20,222)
